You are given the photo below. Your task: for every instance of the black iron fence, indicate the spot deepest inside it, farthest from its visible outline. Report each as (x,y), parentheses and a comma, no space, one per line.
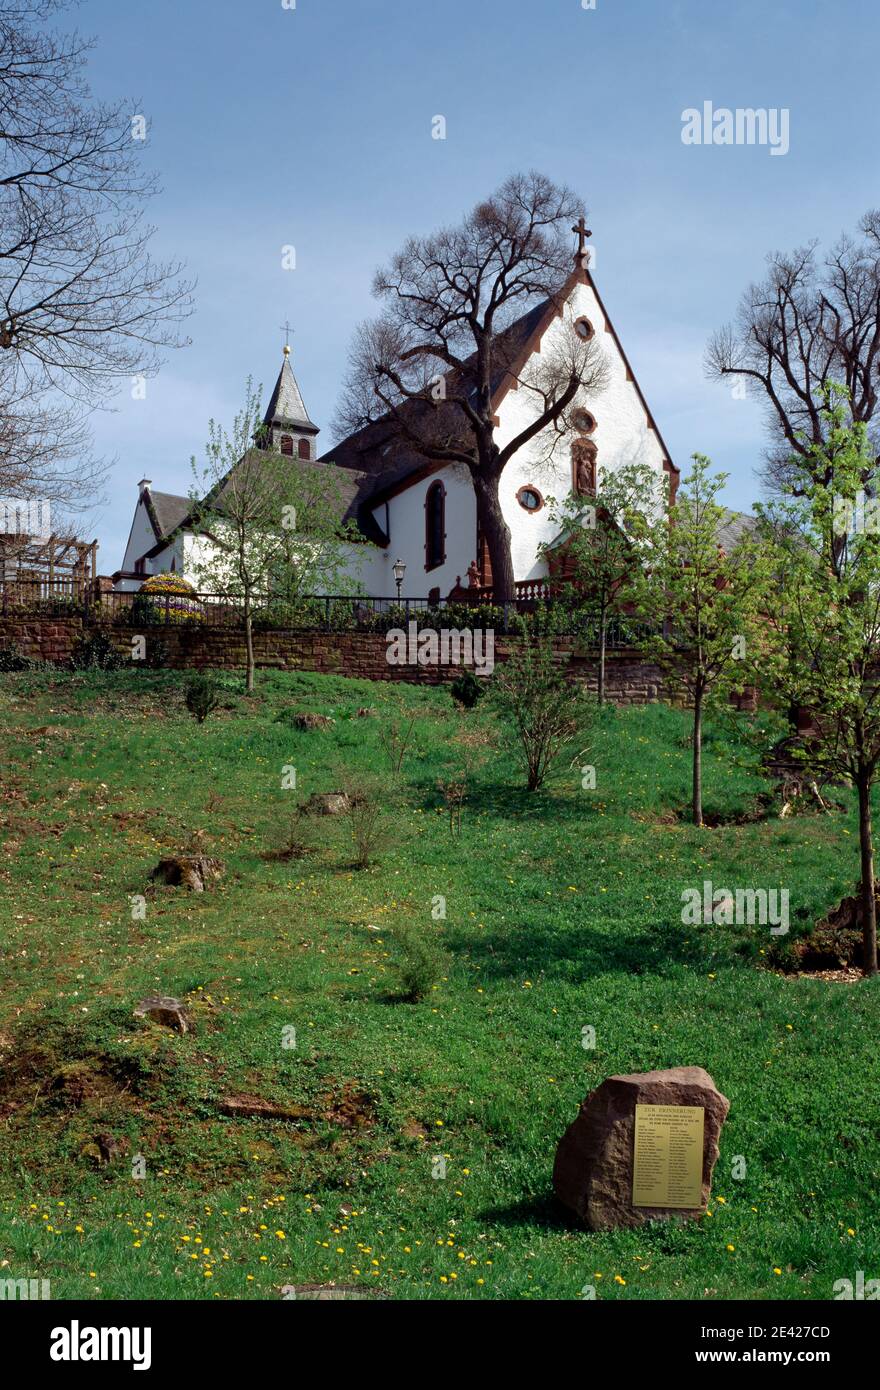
(549,615)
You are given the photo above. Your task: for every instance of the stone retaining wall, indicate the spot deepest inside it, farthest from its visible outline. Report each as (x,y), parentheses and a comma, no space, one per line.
(630,679)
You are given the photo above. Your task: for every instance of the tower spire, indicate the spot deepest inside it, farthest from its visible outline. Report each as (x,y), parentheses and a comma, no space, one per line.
(286,423)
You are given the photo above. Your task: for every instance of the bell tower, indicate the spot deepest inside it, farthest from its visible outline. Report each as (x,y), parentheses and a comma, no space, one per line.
(286,422)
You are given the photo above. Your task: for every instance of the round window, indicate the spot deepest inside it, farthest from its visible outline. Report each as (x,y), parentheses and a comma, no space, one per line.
(530,499)
(584,329)
(583,421)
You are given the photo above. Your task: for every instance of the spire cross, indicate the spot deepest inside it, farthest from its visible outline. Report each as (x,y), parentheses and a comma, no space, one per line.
(582,232)
(285,329)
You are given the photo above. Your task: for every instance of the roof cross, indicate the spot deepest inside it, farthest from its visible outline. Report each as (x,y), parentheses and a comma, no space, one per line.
(286,330)
(582,232)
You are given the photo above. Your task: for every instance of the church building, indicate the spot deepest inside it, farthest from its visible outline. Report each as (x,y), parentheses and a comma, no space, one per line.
(423,515)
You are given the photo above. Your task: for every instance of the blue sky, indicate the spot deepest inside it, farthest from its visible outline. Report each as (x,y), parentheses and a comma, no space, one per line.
(311,127)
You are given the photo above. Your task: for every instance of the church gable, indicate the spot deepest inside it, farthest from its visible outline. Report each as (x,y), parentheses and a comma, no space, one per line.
(621,403)
(605,429)
(151,545)
(141,536)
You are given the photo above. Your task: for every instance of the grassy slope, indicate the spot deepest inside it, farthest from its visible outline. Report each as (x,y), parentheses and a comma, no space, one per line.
(563,911)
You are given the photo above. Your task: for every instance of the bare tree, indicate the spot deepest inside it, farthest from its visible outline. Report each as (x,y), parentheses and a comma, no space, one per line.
(430,366)
(82,304)
(813,322)
(42,450)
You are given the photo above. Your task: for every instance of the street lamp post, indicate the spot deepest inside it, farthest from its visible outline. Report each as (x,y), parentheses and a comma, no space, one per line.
(398,569)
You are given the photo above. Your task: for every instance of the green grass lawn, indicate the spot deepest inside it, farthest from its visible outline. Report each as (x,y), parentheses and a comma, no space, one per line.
(563,910)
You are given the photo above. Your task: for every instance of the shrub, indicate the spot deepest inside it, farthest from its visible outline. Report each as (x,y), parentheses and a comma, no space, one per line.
(546,710)
(448,615)
(368,821)
(454,789)
(174,597)
(158,655)
(467,689)
(420,964)
(297,841)
(12,658)
(395,737)
(95,653)
(141,612)
(201,695)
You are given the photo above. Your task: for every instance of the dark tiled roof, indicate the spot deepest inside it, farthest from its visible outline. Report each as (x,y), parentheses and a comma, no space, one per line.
(377,451)
(733,527)
(286,406)
(351,487)
(355,488)
(166,511)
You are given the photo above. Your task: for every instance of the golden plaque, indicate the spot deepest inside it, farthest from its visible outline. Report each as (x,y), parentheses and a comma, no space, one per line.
(668,1156)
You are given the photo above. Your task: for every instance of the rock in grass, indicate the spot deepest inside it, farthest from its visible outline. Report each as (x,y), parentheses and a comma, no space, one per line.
(110,1148)
(593,1172)
(163,1009)
(327,804)
(306,721)
(249,1107)
(192,871)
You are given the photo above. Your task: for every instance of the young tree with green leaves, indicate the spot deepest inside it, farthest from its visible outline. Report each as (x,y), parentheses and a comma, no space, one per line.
(602,548)
(824,613)
(705,600)
(268,525)
(547,711)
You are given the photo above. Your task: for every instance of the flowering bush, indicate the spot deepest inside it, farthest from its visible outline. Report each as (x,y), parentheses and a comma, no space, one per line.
(175,597)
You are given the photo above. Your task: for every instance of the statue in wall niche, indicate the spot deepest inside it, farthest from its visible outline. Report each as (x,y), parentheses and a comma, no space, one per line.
(583,458)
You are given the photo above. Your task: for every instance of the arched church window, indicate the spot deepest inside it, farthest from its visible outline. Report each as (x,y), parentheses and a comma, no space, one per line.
(304,450)
(287,445)
(435,526)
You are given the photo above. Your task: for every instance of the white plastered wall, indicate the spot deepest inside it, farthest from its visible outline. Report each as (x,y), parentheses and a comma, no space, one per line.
(141,539)
(622,436)
(406,518)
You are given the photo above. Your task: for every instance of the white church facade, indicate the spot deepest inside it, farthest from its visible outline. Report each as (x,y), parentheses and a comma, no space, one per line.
(424,514)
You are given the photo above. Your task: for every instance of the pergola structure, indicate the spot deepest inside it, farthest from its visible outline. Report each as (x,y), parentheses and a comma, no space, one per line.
(47,565)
